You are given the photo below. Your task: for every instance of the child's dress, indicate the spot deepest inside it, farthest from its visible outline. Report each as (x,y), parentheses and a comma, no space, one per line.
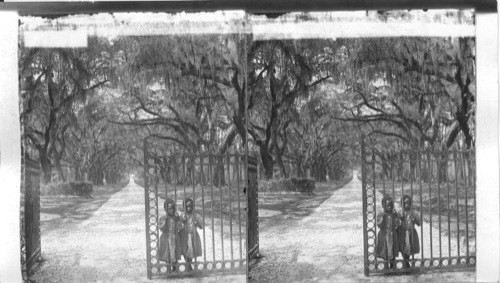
(409,243)
(190,239)
(387,246)
(170,245)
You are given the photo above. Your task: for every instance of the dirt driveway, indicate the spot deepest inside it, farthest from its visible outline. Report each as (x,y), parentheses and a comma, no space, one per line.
(324,246)
(106,245)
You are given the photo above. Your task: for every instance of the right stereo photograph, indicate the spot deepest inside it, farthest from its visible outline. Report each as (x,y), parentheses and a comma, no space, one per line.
(363,128)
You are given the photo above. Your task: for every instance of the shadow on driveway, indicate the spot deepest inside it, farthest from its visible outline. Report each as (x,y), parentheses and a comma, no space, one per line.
(67,210)
(287,208)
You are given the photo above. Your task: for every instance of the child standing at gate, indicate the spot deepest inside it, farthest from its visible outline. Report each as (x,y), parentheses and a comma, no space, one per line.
(190,239)
(409,242)
(387,245)
(170,245)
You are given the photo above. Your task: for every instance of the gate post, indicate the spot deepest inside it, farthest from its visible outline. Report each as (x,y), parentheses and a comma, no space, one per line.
(252,210)
(31,247)
(145,178)
(363,188)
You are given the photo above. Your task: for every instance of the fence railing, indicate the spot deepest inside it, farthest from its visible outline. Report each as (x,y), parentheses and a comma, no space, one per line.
(441,185)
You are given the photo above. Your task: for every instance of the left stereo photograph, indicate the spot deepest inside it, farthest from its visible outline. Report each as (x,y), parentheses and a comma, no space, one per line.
(134,148)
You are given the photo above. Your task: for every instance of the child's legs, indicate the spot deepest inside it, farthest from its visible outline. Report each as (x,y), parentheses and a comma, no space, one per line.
(188,261)
(392,263)
(406,260)
(173,266)
(389,263)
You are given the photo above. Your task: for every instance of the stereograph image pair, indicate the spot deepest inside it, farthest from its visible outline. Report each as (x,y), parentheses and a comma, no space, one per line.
(228,146)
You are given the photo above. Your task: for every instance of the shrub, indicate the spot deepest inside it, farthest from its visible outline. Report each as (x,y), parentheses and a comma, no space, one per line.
(71,188)
(304,185)
(57,188)
(288,185)
(273,185)
(66,189)
(81,189)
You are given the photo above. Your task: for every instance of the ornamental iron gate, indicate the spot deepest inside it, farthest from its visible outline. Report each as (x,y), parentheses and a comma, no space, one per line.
(215,183)
(441,185)
(30,217)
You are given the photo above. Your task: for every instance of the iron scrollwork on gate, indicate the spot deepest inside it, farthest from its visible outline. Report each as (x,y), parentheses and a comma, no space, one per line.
(215,183)
(441,184)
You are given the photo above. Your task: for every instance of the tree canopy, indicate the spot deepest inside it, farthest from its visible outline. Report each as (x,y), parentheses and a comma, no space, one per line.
(307,101)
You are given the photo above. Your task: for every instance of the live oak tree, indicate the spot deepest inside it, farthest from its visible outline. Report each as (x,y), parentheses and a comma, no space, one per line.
(96,149)
(418,90)
(52,80)
(306,100)
(318,142)
(184,89)
(283,71)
